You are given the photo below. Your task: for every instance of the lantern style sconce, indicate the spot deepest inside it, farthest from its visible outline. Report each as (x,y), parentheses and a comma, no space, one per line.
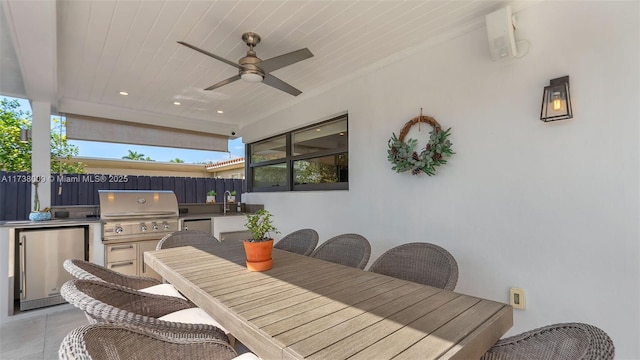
(556,100)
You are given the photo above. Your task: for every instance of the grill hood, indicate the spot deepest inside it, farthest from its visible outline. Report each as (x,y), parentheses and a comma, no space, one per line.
(137,204)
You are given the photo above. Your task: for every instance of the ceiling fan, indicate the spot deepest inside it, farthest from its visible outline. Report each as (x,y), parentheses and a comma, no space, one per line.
(253,69)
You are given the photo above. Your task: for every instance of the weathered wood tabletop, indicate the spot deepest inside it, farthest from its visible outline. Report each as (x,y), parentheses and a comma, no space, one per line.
(306,308)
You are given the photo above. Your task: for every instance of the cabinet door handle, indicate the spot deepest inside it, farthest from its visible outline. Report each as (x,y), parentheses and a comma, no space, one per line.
(23,280)
(121,264)
(114,248)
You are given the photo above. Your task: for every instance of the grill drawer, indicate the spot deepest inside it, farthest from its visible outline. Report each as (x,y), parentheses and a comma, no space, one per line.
(121,252)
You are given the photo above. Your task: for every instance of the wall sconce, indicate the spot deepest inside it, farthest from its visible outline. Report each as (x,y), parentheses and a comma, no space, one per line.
(556,100)
(25,135)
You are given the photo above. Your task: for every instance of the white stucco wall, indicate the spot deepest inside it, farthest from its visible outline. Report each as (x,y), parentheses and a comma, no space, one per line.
(549,207)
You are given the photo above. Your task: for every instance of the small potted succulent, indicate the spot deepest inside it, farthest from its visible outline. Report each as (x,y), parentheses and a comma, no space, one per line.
(258,249)
(211,197)
(36,214)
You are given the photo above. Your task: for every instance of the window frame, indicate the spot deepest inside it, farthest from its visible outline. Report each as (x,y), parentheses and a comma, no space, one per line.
(289,159)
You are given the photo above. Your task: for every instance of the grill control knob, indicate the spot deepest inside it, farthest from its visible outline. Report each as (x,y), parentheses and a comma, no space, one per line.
(154,226)
(118,229)
(143,227)
(166,226)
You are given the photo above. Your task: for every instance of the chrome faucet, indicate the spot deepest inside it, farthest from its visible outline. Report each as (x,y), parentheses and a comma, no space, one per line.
(224,202)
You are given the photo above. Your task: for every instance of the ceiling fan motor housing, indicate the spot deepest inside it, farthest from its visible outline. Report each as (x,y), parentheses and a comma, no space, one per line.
(250,71)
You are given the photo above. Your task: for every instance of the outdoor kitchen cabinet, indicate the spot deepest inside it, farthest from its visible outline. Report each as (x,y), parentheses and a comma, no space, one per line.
(122,257)
(128,258)
(134,221)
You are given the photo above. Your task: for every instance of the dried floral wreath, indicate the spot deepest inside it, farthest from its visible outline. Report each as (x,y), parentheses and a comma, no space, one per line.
(404,156)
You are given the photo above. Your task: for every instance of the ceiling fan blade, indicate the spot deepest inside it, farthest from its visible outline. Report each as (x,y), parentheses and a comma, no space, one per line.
(210,54)
(280,85)
(224,82)
(283,60)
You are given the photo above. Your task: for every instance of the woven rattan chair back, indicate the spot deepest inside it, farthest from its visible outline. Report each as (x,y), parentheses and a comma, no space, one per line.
(85,270)
(347,249)
(110,303)
(419,262)
(115,342)
(301,242)
(567,341)
(185,238)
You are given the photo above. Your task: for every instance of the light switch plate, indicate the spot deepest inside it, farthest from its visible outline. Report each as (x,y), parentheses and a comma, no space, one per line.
(517,298)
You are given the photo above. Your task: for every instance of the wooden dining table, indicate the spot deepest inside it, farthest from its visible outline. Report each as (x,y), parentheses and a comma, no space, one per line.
(307,308)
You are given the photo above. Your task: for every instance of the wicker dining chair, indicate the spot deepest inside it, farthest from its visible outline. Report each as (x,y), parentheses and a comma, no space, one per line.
(347,249)
(85,270)
(117,342)
(185,238)
(566,341)
(420,262)
(301,242)
(110,303)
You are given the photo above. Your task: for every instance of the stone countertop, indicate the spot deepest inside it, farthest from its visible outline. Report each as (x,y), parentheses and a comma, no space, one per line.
(48,223)
(207,211)
(205,216)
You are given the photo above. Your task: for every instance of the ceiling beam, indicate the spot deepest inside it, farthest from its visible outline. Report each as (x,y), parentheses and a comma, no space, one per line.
(32,25)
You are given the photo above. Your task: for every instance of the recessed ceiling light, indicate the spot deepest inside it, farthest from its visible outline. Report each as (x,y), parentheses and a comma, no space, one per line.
(341,134)
(124,93)
(176,103)
(318,129)
(220,112)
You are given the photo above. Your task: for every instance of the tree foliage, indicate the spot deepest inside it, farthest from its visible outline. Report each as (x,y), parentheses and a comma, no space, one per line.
(134,155)
(61,149)
(16,155)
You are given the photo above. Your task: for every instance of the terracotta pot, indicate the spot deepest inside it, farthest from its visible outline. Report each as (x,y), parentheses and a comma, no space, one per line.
(259,255)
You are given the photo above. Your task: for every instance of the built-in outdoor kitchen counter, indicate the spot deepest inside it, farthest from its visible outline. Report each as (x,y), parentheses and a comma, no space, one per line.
(224,227)
(211,218)
(134,221)
(30,252)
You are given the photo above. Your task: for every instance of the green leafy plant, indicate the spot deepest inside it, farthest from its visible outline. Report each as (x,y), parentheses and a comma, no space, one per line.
(233,193)
(211,193)
(15,155)
(405,157)
(260,224)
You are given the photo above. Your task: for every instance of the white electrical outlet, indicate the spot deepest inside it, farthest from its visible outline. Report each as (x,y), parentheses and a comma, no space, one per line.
(517,298)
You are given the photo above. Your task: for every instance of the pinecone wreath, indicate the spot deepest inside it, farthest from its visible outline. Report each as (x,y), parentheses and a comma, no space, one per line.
(404,156)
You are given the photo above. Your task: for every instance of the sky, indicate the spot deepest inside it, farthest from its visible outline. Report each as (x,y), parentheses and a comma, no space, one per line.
(117,151)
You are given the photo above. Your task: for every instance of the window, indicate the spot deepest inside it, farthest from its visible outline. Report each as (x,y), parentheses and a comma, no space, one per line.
(312,158)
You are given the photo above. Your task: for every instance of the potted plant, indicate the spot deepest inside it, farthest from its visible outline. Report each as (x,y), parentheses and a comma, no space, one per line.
(36,214)
(231,198)
(211,197)
(258,249)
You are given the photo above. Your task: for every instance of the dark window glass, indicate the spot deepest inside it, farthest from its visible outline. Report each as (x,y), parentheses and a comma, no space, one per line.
(315,157)
(270,175)
(271,149)
(324,137)
(326,169)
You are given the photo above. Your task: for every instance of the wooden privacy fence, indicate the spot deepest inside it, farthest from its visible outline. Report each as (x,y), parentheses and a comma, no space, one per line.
(82,189)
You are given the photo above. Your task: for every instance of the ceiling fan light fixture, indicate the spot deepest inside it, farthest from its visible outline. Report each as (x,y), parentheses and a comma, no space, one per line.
(252,77)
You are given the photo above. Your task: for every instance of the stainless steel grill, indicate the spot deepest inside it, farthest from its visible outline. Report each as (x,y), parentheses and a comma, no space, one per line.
(137,214)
